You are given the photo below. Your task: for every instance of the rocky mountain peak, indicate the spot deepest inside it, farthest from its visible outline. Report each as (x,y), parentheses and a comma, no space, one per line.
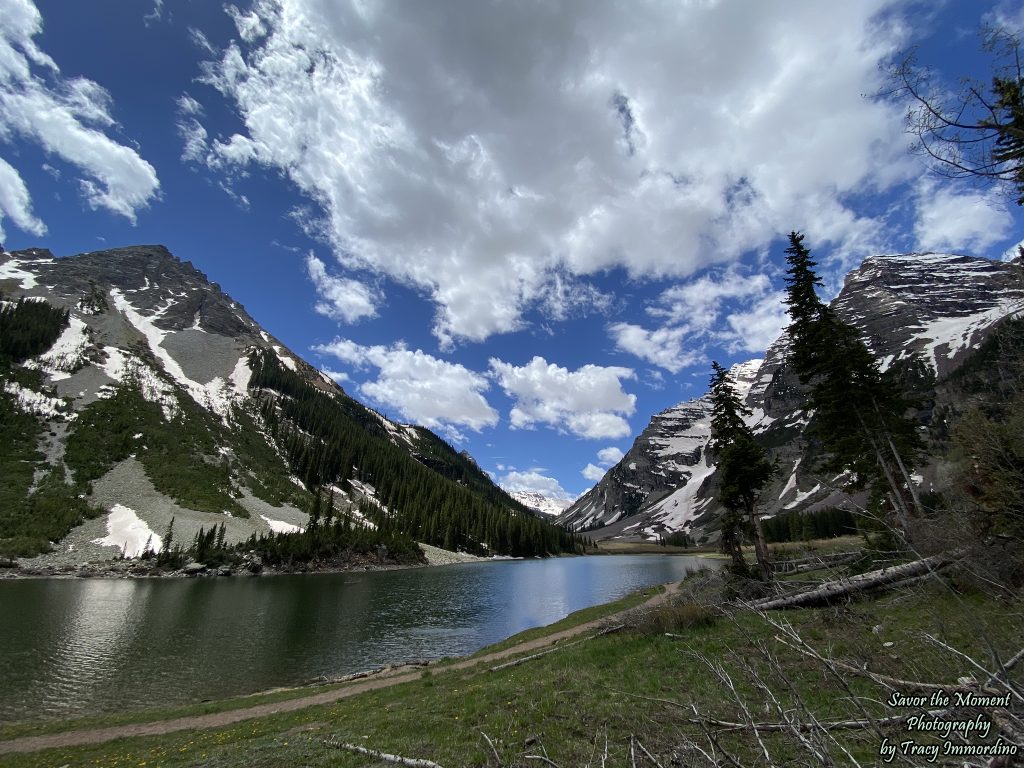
(936,307)
(157,396)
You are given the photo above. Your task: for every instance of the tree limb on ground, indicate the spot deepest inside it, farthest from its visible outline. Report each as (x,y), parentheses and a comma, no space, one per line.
(412,762)
(831,590)
(828,725)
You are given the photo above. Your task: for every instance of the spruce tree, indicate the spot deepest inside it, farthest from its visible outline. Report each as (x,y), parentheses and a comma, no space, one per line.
(859,414)
(743,467)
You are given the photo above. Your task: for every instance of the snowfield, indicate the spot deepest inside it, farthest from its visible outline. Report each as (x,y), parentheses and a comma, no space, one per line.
(280,526)
(129,533)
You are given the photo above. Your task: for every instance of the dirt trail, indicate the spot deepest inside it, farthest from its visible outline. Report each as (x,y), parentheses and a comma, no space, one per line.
(231,716)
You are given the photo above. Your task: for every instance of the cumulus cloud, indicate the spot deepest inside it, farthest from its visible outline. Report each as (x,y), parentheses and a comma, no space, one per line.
(422,388)
(606,457)
(341,298)
(534,481)
(339,377)
(16,202)
(958,218)
(697,304)
(663,347)
(610,455)
(67,118)
(730,306)
(474,150)
(754,329)
(588,402)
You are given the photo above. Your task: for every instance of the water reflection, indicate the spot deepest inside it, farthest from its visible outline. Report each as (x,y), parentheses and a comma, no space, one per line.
(73,647)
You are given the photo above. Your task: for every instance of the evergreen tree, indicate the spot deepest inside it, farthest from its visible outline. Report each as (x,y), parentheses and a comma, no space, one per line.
(859,414)
(743,466)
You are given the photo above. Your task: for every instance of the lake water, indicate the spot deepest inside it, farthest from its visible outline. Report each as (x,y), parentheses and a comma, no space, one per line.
(76,647)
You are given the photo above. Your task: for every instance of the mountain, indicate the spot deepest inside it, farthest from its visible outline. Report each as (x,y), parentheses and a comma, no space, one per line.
(923,315)
(136,392)
(655,485)
(538,502)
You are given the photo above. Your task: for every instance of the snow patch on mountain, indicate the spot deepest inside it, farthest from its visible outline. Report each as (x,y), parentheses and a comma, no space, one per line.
(683,506)
(280,526)
(216,395)
(128,532)
(13,269)
(38,403)
(286,361)
(949,336)
(66,354)
(241,376)
(540,503)
(120,365)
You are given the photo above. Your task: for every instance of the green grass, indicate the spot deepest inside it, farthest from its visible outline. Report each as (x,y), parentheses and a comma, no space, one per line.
(42,727)
(566,702)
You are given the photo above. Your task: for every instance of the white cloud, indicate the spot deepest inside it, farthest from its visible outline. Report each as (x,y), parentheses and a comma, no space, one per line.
(662,346)
(606,457)
(194,136)
(16,202)
(955,217)
(697,303)
(339,377)
(535,482)
(476,151)
(754,329)
(610,455)
(66,117)
(156,14)
(189,106)
(249,25)
(741,310)
(342,298)
(201,41)
(588,402)
(423,389)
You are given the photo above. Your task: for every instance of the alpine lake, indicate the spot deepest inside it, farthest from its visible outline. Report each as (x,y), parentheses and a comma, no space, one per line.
(76,647)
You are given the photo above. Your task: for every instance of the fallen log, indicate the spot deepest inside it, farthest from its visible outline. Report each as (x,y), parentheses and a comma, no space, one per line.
(410,761)
(832,590)
(817,561)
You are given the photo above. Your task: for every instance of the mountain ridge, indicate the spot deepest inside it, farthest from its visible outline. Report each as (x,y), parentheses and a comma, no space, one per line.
(162,377)
(923,315)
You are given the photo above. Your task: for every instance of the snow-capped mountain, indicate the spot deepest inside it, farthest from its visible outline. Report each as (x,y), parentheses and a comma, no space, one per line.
(144,329)
(538,502)
(655,485)
(929,309)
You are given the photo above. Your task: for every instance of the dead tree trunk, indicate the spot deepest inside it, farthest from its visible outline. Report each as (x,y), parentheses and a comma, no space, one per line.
(864,582)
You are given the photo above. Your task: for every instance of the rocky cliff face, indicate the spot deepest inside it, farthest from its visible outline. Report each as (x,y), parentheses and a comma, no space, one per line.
(927,312)
(666,464)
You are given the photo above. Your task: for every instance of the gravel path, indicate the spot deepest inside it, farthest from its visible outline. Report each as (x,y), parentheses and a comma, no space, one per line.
(374,682)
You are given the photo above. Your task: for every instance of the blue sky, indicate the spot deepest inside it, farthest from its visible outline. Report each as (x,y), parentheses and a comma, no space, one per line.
(529,226)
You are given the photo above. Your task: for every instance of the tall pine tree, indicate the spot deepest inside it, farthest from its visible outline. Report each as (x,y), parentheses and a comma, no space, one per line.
(859,413)
(743,467)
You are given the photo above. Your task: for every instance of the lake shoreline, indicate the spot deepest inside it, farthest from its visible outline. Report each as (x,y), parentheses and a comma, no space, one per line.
(139,569)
